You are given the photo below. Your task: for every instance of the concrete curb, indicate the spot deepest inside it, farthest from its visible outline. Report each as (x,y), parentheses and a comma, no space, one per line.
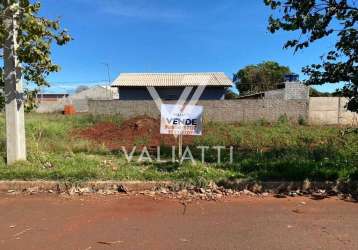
(287,186)
(138,186)
(60,187)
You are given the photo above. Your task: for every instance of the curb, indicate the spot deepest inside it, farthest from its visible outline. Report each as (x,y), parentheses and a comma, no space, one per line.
(278,187)
(282,187)
(94,186)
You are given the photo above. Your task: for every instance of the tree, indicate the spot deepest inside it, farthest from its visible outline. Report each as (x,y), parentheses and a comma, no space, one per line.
(230,95)
(315,93)
(260,77)
(36,37)
(318,19)
(81,88)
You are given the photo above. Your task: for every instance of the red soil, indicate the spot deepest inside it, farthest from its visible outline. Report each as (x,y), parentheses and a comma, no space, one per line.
(139,131)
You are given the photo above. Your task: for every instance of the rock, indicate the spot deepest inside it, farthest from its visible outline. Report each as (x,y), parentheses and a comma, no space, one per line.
(183,192)
(163,191)
(72,191)
(106,192)
(150,193)
(218,196)
(292,194)
(85,190)
(341,196)
(217,191)
(318,196)
(202,190)
(32,190)
(229,191)
(248,192)
(265,194)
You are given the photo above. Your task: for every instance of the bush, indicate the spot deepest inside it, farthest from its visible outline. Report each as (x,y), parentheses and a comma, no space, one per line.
(302,121)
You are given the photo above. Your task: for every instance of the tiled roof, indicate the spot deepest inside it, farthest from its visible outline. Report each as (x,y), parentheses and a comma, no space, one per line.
(172,79)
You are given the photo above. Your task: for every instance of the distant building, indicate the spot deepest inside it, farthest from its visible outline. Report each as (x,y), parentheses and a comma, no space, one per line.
(291,89)
(80,100)
(133,86)
(49,103)
(50,98)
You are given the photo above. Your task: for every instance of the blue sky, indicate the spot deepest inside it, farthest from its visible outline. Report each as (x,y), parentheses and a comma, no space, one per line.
(167,36)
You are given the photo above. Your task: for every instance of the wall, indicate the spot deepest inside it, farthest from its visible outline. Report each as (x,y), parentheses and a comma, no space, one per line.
(275,94)
(79,100)
(169,93)
(51,107)
(330,110)
(296,91)
(223,111)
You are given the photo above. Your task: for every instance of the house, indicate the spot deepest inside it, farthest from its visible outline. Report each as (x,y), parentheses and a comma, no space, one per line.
(49,103)
(169,86)
(291,89)
(50,98)
(98,92)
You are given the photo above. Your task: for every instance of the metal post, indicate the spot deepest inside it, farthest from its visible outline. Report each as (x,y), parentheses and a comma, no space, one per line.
(180,150)
(108,86)
(14,100)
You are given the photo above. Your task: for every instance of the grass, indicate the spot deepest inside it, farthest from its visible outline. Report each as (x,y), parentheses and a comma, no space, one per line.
(263,151)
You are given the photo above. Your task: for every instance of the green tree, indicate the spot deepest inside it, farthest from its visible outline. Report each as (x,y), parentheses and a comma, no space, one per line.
(36,36)
(260,77)
(317,19)
(230,95)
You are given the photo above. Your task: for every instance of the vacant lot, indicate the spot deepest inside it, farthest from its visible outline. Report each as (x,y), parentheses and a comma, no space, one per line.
(62,148)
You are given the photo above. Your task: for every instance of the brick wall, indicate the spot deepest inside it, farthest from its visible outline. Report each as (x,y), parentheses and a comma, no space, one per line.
(223,111)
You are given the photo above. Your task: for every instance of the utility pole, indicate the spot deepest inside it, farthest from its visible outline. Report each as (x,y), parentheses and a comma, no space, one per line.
(14,99)
(108,87)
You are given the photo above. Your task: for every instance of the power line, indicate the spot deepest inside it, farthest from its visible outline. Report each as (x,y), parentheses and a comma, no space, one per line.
(77,82)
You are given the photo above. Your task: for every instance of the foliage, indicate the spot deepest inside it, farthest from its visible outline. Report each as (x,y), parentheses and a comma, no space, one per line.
(260,77)
(230,95)
(315,93)
(302,121)
(263,151)
(36,37)
(315,20)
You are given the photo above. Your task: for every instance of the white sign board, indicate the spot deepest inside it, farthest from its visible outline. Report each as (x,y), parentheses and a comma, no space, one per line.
(178,121)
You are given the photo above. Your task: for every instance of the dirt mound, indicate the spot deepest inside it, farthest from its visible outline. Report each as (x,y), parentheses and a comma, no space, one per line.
(139,131)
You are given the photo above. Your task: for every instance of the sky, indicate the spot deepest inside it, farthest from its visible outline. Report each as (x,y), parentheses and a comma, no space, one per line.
(167,36)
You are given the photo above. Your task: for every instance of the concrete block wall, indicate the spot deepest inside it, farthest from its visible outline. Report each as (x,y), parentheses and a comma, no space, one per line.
(330,111)
(275,94)
(296,91)
(219,111)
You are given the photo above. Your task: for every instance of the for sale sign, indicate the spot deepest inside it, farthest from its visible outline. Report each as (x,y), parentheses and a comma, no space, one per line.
(181,120)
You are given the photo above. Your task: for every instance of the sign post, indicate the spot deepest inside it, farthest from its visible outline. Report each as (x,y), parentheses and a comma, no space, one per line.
(179,120)
(180,150)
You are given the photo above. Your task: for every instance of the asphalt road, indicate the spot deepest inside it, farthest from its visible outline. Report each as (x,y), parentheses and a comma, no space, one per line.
(122,222)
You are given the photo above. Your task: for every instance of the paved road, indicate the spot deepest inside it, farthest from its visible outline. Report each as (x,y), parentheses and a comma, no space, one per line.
(122,222)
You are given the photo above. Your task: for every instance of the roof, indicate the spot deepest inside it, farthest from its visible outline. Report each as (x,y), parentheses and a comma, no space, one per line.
(172,79)
(51,95)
